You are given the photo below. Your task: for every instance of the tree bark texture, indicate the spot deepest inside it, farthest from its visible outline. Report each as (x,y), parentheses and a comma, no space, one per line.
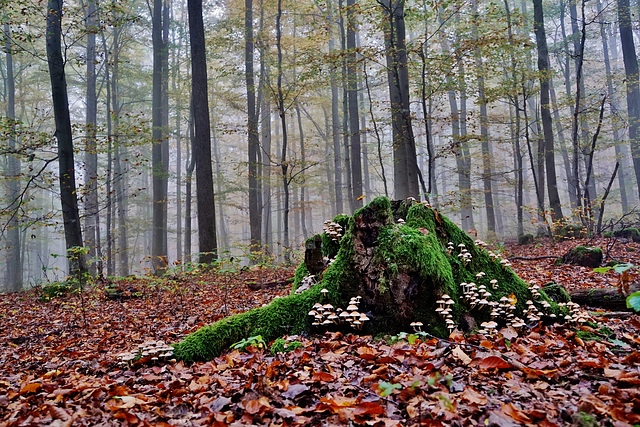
(255,213)
(545,111)
(207,242)
(405,164)
(14,258)
(633,86)
(63,134)
(158,162)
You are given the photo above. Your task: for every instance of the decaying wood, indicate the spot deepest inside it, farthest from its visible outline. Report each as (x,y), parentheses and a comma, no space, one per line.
(268,285)
(608,298)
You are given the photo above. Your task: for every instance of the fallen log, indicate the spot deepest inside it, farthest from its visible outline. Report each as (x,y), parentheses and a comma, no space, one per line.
(607,298)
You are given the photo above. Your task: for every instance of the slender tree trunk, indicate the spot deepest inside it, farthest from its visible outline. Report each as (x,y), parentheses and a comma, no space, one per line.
(92,219)
(207,242)
(284,164)
(109,178)
(545,112)
(158,163)
(404,150)
(190,167)
(610,54)
(335,125)
(354,118)
(633,87)
(484,129)
(63,134)
(255,214)
(14,258)
(303,159)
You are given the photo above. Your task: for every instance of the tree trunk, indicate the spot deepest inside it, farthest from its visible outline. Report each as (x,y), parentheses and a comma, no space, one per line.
(545,112)
(484,129)
(354,118)
(14,258)
(607,42)
(633,87)
(92,221)
(405,167)
(158,162)
(63,134)
(255,214)
(335,125)
(207,242)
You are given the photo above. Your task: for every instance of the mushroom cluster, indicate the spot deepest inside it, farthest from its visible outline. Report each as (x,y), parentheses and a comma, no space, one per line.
(148,352)
(505,263)
(479,243)
(444,310)
(576,315)
(401,221)
(503,309)
(474,294)
(535,289)
(488,327)
(464,255)
(324,315)
(333,230)
(532,312)
(450,248)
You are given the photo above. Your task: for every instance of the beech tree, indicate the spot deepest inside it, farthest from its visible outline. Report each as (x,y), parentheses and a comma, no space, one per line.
(64,138)
(202,139)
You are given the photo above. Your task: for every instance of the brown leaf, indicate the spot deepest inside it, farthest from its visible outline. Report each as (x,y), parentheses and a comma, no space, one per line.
(367,353)
(257,406)
(31,387)
(472,396)
(322,377)
(515,413)
(368,408)
(492,362)
(461,355)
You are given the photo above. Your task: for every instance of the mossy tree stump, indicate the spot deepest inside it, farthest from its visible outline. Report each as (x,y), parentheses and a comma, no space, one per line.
(397,257)
(583,256)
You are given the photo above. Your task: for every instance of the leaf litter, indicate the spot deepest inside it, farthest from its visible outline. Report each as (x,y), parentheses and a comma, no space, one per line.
(59,364)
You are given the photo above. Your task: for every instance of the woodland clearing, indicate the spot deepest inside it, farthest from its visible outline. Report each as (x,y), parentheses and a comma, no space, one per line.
(60,360)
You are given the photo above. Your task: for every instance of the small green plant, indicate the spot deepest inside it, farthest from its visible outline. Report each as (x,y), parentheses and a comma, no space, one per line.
(255,341)
(386,388)
(282,346)
(624,270)
(54,290)
(633,301)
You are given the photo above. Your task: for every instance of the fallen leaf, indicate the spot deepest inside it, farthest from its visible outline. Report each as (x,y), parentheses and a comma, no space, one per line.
(472,396)
(461,355)
(368,408)
(515,413)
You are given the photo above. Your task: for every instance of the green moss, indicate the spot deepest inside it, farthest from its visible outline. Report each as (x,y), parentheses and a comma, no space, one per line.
(282,346)
(556,293)
(628,233)
(570,231)
(587,336)
(300,274)
(525,239)
(394,266)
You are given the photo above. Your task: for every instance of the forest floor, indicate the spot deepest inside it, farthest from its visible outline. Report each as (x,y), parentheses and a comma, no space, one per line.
(59,361)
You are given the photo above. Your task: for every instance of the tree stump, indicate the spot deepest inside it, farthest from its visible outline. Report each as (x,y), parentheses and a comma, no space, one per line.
(583,256)
(399,260)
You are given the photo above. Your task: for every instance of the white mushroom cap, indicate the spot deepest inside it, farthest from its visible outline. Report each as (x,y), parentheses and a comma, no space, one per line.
(352,307)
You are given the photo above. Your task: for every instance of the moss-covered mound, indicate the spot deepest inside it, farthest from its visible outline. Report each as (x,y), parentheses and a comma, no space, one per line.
(400,258)
(584,256)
